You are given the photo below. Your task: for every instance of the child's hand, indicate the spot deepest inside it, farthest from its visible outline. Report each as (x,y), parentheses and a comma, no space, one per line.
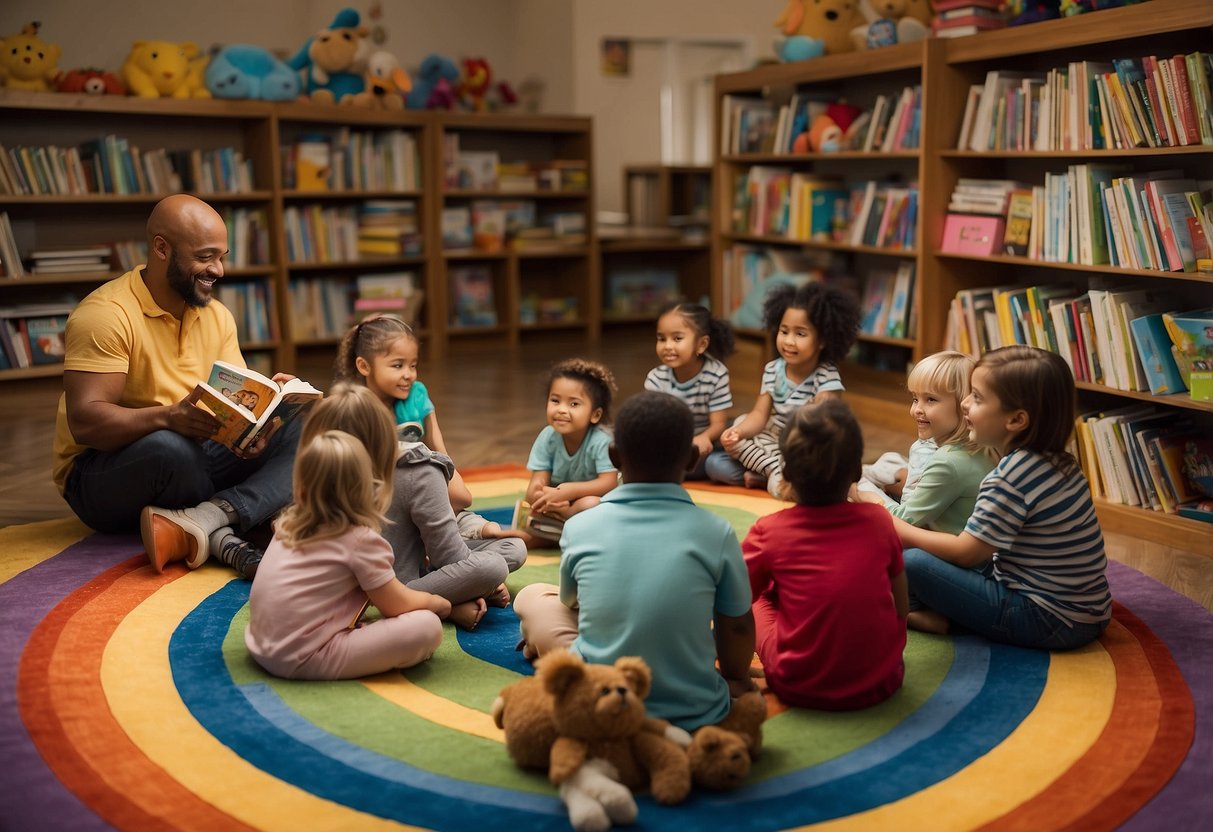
(440,606)
(730,438)
(703,444)
(548,496)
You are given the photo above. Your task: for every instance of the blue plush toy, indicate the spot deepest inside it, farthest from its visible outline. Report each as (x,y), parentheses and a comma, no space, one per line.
(334,60)
(244,71)
(435,85)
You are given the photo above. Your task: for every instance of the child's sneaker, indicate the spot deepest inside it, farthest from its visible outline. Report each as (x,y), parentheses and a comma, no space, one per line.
(241,555)
(169,534)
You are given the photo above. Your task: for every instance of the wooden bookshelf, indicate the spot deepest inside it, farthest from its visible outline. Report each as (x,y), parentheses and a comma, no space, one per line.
(265,133)
(946,68)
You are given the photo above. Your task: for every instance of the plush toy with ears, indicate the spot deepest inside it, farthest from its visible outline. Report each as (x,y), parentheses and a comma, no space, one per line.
(333,61)
(27,62)
(162,68)
(816,27)
(386,84)
(892,21)
(91,81)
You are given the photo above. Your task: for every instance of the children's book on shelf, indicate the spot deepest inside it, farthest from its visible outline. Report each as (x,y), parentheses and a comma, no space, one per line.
(640,291)
(473,300)
(457,227)
(972,234)
(313,164)
(393,293)
(247,403)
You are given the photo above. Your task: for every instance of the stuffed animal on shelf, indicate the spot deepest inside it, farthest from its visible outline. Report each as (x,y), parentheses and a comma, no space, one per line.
(435,86)
(893,21)
(816,27)
(244,71)
(570,714)
(27,62)
(721,755)
(478,93)
(828,130)
(91,81)
(333,61)
(164,69)
(386,84)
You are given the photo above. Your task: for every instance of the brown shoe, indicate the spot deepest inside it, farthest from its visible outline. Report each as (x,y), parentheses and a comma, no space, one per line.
(169,535)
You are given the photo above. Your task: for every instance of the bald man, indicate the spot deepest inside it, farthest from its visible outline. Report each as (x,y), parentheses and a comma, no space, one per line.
(130,450)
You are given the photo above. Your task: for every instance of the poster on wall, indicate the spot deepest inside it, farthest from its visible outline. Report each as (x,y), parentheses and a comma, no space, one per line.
(616,57)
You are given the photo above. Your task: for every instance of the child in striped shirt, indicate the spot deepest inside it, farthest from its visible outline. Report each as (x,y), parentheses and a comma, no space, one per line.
(692,346)
(1034,519)
(813,326)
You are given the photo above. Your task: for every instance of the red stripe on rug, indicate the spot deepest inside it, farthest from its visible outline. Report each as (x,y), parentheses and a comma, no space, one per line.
(1136,753)
(494,472)
(64,708)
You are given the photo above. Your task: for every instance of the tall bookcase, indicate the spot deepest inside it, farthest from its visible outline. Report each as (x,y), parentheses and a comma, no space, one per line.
(668,209)
(267,135)
(947,68)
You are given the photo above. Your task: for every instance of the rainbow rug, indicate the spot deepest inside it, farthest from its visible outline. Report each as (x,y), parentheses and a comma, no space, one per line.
(129,701)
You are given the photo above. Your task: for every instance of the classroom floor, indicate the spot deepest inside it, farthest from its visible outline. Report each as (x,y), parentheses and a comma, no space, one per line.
(490,405)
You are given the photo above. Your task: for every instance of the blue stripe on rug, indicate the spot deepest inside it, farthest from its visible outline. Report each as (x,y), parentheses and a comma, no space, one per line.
(987,699)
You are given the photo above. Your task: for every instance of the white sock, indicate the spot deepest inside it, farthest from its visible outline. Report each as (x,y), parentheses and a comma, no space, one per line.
(209,515)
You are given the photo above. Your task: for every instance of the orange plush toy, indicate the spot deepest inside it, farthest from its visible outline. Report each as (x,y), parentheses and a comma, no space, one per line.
(474,85)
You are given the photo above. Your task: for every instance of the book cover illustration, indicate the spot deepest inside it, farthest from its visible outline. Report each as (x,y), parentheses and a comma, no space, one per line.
(540,525)
(247,403)
(472,297)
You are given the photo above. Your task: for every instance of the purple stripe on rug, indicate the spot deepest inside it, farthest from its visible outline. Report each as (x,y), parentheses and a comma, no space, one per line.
(1187,629)
(32,796)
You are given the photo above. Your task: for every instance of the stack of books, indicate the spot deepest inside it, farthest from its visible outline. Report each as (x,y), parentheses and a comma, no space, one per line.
(70,261)
(388,227)
(958,18)
(388,293)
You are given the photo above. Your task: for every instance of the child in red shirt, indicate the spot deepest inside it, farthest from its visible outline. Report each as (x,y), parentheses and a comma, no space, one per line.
(830,599)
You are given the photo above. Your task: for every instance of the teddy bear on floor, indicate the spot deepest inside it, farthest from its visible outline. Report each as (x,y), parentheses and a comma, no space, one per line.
(817,27)
(570,714)
(333,61)
(27,62)
(721,755)
(162,68)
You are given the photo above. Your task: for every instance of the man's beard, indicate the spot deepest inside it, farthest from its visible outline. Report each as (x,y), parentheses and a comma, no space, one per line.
(182,282)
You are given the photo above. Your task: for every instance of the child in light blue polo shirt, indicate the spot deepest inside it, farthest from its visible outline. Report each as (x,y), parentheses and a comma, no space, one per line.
(648,573)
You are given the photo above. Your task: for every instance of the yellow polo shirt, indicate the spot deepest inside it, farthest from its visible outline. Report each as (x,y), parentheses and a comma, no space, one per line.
(119,328)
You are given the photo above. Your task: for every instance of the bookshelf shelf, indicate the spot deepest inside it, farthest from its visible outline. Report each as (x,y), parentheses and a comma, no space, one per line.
(472,254)
(465,331)
(1166,529)
(1172,400)
(840,156)
(613,246)
(821,244)
(884,339)
(552,326)
(1149,152)
(351,194)
(40,371)
(361,263)
(218,198)
(903,56)
(507,195)
(549,253)
(1011,260)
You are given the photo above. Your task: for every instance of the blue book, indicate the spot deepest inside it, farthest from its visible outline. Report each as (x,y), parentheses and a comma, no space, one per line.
(1154,349)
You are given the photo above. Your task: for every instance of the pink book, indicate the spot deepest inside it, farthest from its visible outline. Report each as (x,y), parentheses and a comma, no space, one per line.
(972,234)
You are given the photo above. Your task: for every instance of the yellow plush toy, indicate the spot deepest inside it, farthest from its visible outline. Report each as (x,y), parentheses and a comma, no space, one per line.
(27,62)
(817,27)
(163,69)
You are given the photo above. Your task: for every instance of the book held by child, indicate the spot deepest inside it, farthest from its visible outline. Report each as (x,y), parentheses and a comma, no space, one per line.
(246,403)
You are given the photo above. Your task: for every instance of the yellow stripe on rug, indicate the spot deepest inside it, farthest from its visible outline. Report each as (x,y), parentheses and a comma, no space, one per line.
(26,546)
(420,702)
(1072,711)
(143,699)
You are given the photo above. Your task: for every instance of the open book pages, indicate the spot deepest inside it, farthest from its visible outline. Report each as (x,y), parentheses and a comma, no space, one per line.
(247,404)
(540,525)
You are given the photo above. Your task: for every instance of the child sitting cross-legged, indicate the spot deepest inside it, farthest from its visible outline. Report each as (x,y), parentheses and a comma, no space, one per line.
(830,598)
(648,573)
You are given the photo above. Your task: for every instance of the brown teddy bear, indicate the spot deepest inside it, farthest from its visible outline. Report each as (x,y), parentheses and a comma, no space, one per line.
(721,755)
(570,713)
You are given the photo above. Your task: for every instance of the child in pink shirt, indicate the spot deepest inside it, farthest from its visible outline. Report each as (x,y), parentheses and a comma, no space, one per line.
(328,561)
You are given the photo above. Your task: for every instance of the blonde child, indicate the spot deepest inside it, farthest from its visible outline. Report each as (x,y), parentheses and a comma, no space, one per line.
(813,327)
(327,559)
(430,553)
(940,491)
(570,464)
(692,346)
(826,575)
(382,352)
(1034,518)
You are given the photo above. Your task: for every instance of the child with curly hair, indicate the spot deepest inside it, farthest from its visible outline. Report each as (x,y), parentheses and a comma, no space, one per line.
(570,464)
(692,346)
(813,327)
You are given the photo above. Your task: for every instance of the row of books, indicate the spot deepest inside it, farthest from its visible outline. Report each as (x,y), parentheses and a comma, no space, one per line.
(1097,215)
(1126,338)
(32,334)
(388,293)
(385,160)
(760,125)
(494,225)
(1091,105)
(772,201)
(321,307)
(640,292)
(112,165)
(122,255)
(484,170)
(248,238)
(1139,456)
(388,227)
(888,303)
(249,303)
(329,234)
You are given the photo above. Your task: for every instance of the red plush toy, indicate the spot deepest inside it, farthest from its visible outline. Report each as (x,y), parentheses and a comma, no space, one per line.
(92,81)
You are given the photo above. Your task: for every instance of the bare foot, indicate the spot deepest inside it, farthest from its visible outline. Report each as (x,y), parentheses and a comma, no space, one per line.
(499,597)
(529,652)
(532,541)
(928,621)
(752,480)
(468,614)
(494,531)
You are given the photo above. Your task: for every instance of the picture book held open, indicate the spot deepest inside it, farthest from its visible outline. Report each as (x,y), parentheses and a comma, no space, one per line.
(247,404)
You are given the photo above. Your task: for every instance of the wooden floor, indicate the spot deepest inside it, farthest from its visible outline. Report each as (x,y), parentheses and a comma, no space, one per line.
(490,404)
